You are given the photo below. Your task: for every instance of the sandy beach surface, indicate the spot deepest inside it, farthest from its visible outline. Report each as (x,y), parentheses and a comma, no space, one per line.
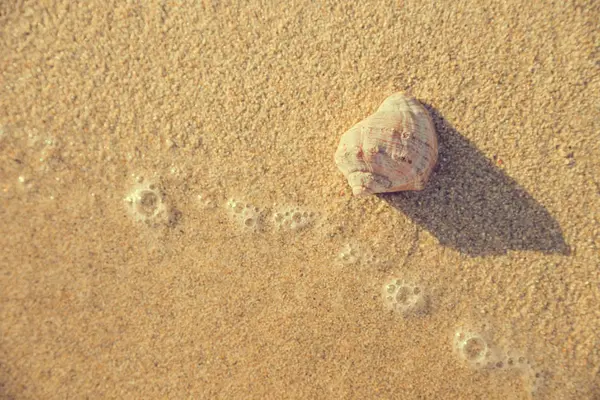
(172,223)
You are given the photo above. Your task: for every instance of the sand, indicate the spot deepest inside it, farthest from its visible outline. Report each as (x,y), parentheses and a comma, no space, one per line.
(128,127)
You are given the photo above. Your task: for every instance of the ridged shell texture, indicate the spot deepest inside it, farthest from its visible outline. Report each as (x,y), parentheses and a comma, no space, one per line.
(392,150)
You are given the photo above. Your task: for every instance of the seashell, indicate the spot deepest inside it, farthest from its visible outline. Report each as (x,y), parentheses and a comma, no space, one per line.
(392,150)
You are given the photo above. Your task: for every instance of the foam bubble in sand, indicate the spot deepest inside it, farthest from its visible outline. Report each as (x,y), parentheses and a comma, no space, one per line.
(474,348)
(534,377)
(349,254)
(146,202)
(477,350)
(247,216)
(353,253)
(293,218)
(404,297)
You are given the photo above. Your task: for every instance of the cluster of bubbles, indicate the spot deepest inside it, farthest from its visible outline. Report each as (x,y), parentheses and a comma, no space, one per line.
(405,298)
(350,254)
(353,253)
(292,218)
(479,352)
(254,218)
(146,202)
(473,347)
(246,215)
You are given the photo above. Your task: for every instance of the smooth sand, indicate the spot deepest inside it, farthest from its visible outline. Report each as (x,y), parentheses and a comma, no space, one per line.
(209,101)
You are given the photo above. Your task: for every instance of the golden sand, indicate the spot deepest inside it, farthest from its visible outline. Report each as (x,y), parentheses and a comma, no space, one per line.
(149,153)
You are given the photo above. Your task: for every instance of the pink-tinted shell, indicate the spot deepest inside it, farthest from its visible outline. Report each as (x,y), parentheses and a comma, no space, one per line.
(392,150)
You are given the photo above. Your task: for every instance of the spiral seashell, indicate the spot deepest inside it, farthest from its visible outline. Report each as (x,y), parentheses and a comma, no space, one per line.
(392,150)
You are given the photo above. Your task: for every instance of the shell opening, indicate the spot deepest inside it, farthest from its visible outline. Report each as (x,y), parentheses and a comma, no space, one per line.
(364,183)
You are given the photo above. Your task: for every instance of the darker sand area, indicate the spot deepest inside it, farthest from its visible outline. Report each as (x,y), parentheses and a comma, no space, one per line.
(149,153)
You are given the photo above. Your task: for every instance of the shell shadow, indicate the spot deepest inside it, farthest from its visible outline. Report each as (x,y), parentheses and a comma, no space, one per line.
(471,205)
